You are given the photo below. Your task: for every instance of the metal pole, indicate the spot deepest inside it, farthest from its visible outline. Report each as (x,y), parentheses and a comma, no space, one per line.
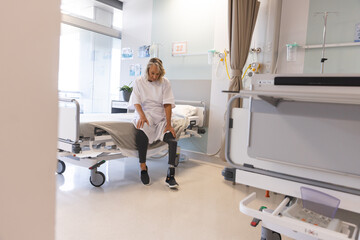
(323,59)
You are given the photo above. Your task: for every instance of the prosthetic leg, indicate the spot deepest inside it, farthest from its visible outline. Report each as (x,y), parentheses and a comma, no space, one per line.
(170,178)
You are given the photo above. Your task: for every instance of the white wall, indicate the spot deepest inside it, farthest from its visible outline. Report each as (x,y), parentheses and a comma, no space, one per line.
(340,28)
(29,46)
(137,21)
(189,81)
(220,80)
(265,36)
(293,28)
(184,20)
(137,31)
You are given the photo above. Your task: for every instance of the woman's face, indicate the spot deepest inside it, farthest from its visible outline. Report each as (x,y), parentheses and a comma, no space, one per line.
(153,73)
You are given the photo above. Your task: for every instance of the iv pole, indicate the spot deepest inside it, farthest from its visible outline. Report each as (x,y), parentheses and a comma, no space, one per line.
(323,59)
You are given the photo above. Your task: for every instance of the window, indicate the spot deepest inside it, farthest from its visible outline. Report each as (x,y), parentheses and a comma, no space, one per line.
(90,54)
(89,68)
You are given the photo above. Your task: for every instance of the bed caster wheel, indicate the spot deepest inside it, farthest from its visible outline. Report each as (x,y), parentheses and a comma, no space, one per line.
(60,167)
(97,179)
(268,234)
(277,236)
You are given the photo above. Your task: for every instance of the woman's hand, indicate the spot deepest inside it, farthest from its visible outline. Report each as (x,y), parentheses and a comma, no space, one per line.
(170,129)
(168,126)
(141,121)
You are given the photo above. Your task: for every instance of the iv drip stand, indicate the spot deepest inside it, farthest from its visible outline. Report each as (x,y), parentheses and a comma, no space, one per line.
(323,59)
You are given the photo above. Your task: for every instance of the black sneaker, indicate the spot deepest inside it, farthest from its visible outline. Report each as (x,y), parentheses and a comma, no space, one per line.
(144,176)
(170,178)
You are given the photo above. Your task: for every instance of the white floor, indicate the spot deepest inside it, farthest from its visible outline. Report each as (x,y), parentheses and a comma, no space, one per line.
(204,207)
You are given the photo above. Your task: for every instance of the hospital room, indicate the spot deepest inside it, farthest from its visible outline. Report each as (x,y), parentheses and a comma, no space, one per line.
(258,132)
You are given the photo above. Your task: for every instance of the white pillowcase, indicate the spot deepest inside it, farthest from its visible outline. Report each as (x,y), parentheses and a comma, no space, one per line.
(184,110)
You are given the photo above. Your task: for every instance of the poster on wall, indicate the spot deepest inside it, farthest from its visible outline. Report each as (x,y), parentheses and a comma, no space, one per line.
(134,70)
(179,48)
(127,53)
(144,51)
(137,69)
(357,32)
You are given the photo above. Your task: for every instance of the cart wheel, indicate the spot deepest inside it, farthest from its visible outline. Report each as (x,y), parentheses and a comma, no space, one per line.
(60,167)
(276,236)
(98,180)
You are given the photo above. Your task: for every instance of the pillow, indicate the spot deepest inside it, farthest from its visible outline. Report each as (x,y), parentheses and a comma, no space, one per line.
(184,110)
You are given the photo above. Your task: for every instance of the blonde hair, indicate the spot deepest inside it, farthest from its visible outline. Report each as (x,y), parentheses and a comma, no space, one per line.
(157,62)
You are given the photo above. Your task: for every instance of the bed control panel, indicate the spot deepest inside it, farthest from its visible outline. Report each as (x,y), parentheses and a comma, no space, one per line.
(264,82)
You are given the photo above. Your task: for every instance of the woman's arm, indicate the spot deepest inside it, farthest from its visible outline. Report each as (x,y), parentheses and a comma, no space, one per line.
(142,120)
(168,127)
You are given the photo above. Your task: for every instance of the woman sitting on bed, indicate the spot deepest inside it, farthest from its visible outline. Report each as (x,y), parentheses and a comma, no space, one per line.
(153,100)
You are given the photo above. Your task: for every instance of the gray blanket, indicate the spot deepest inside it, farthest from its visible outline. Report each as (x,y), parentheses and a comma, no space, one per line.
(123,133)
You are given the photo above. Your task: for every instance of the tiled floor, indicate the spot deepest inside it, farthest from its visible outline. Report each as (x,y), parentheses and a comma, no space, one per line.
(204,207)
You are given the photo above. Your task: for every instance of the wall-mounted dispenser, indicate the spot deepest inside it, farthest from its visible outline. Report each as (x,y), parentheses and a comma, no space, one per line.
(291,52)
(211,54)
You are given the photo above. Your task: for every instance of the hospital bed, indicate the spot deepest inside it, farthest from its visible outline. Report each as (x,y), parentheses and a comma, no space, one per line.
(89,140)
(297,132)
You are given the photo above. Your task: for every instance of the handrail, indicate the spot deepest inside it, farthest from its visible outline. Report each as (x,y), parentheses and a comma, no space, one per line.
(195,103)
(350,44)
(274,97)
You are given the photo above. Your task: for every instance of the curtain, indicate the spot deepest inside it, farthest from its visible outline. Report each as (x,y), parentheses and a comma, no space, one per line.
(242,19)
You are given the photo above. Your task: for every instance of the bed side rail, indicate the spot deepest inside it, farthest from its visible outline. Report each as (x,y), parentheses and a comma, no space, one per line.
(69,120)
(201,109)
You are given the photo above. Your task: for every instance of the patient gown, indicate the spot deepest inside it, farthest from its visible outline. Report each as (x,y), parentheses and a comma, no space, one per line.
(152,96)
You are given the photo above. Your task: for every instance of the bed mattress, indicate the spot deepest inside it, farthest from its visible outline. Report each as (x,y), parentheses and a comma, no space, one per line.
(120,128)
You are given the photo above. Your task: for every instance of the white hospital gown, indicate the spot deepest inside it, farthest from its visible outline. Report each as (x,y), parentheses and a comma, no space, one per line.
(152,96)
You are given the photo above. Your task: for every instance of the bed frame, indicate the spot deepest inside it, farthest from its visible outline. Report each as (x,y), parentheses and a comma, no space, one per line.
(93,151)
